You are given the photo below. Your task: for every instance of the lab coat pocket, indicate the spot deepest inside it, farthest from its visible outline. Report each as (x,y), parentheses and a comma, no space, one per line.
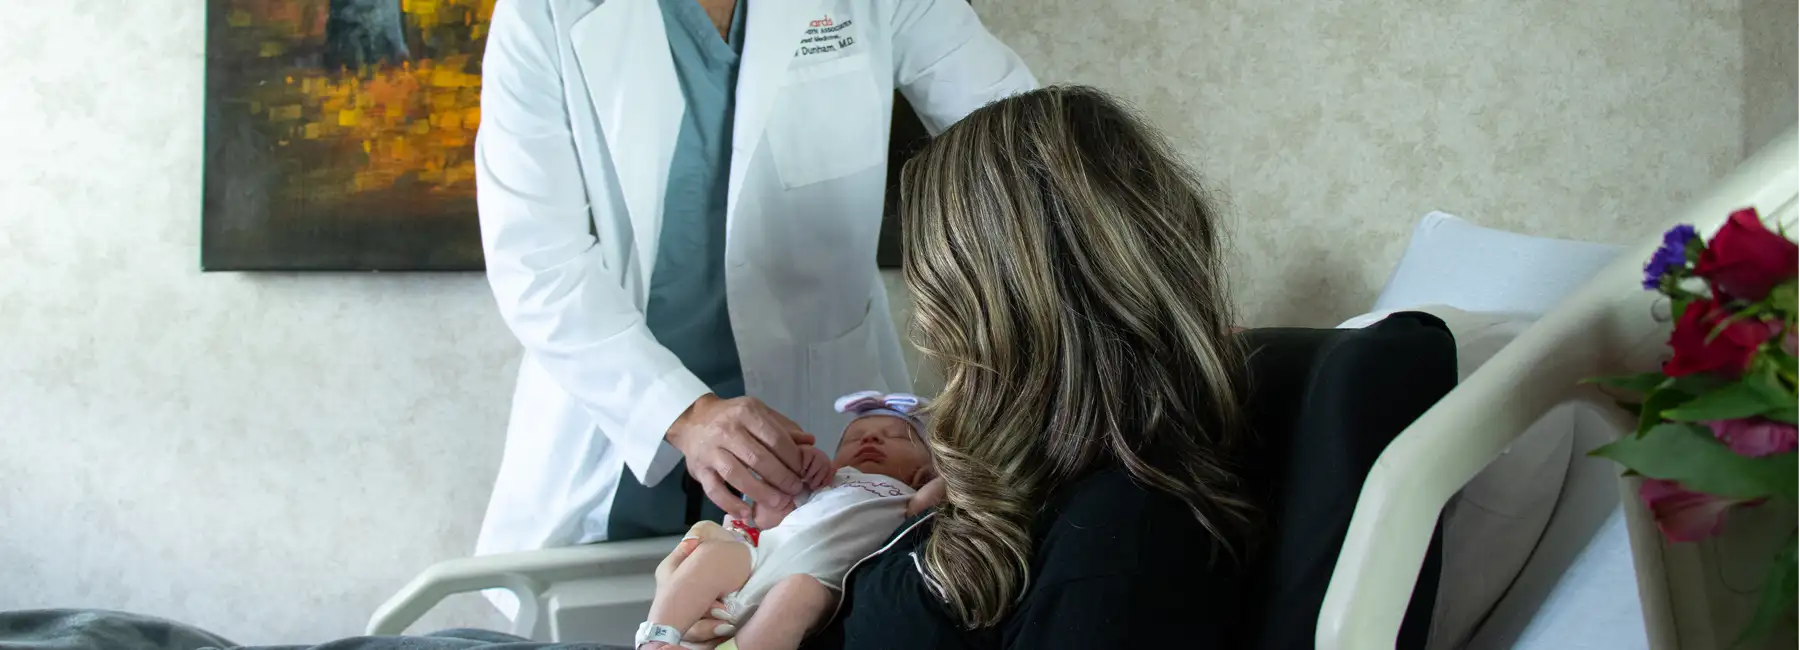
(828,122)
(843,365)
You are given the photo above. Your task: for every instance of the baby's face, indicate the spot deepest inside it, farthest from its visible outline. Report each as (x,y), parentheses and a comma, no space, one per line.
(883,445)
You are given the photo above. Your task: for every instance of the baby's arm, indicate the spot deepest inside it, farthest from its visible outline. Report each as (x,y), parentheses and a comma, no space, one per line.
(926,497)
(797,605)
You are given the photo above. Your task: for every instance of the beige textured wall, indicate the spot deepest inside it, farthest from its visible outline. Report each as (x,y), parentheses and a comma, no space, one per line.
(267,456)
(1332,126)
(1770,103)
(271,456)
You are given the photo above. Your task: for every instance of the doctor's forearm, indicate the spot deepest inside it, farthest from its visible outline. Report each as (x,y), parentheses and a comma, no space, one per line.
(546,268)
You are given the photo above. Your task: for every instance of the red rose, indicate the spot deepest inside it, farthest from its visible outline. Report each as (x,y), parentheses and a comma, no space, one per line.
(1744,260)
(1697,350)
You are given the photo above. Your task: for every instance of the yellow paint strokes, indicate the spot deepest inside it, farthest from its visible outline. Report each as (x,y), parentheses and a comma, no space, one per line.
(382,127)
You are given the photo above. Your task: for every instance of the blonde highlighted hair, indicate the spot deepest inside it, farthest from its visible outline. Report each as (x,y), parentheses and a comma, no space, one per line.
(1068,279)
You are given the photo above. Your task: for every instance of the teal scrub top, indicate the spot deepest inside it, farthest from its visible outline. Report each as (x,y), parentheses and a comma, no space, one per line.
(687,288)
(687,309)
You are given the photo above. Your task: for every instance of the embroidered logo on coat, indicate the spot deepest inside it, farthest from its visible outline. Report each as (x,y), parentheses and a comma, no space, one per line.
(826,35)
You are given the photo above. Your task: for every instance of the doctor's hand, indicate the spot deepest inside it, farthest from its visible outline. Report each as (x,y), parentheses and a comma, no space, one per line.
(741,443)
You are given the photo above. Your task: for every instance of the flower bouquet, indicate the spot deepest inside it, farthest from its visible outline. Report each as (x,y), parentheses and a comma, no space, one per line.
(1716,424)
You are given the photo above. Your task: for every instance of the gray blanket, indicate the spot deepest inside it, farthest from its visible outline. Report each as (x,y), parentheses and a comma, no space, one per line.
(87,629)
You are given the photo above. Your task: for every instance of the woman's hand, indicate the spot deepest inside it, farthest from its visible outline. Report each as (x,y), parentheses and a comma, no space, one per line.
(711,630)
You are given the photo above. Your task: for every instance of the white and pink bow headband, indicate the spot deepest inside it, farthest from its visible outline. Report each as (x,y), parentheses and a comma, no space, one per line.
(871,403)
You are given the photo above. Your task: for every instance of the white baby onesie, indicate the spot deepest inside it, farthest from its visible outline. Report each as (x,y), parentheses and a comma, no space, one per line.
(828,531)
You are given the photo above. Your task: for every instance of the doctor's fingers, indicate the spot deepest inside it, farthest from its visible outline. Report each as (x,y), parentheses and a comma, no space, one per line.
(768,464)
(778,435)
(795,434)
(757,488)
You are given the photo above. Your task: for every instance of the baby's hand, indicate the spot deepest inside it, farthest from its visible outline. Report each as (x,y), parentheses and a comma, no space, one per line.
(921,476)
(928,496)
(816,467)
(765,516)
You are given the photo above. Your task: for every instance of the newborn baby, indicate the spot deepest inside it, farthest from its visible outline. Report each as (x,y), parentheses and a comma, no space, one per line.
(790,564)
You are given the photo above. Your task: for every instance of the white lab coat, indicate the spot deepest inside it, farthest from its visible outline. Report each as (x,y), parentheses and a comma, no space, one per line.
(580,111)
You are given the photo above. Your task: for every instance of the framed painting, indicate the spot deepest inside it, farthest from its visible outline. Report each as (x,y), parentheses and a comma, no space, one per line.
(340,134)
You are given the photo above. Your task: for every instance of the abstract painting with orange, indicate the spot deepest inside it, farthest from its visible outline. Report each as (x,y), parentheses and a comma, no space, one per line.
(340,134)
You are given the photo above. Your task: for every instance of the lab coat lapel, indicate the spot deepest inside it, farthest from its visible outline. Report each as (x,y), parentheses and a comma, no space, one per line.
(772,33)
(623,53)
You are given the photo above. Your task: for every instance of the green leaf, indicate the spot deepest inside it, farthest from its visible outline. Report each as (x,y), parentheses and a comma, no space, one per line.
(1695,384)
(1787,364)
(1688,454)
(1733,401)
(1642,382)
(1784,415)
(1658,402)
(1782,299)
(1777,597)
(1770,389)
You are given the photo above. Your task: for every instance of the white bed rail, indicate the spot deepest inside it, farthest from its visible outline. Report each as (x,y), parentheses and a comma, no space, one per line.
(1606,327)
(529,575)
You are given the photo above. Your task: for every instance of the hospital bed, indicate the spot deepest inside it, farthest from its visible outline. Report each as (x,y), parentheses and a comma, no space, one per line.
(601,592)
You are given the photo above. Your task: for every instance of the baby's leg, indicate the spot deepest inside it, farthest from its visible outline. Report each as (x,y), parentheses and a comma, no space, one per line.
(704,530)
(715,568)
(797,605)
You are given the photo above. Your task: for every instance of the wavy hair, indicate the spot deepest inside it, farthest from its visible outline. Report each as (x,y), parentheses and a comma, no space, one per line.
(1068,278)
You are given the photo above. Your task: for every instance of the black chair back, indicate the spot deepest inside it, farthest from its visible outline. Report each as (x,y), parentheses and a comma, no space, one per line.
(1324,403)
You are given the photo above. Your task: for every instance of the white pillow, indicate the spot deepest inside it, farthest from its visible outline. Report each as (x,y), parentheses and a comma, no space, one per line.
(1453,262)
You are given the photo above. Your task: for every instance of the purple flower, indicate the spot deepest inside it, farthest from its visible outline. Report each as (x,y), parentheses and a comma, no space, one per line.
(1672,254)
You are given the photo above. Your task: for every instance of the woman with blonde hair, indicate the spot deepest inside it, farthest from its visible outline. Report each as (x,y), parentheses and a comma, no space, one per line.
(1068,274)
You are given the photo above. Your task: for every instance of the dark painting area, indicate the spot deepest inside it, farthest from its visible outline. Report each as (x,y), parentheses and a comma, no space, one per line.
(340,136)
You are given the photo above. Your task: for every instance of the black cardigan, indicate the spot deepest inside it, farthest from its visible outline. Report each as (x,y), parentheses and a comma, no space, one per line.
(1114,565)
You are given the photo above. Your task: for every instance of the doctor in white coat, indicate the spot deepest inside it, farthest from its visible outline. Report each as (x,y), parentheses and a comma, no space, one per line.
(680,202)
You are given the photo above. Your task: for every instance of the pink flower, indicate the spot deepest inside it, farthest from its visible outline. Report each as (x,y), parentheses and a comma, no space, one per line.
(1683,515)
(1755,437)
